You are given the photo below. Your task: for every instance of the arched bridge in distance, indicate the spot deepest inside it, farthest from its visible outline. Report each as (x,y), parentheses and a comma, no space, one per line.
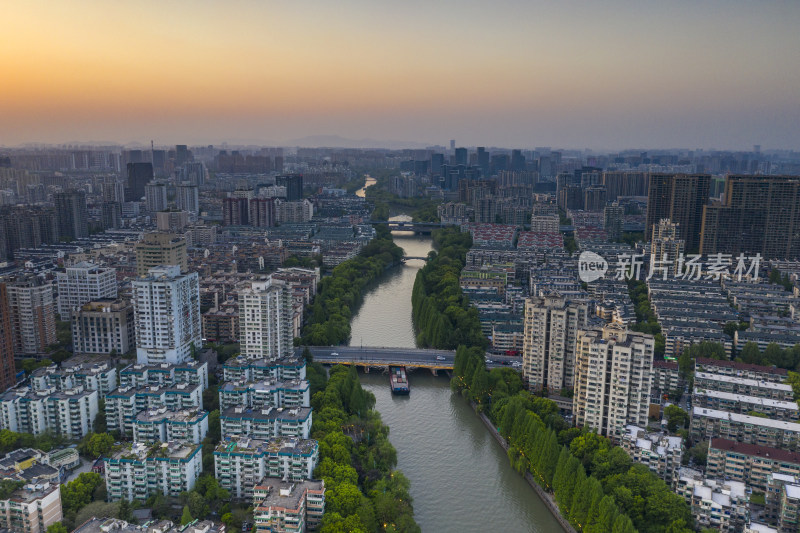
(416,227)
(383,357)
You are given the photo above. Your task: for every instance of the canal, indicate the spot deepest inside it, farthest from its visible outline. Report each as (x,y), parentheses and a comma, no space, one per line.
(461,480)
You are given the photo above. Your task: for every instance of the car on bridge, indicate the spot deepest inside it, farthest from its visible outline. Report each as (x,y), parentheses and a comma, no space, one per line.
(441,358)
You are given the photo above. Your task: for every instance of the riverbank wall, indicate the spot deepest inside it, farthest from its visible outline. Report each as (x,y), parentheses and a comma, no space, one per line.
(543,495)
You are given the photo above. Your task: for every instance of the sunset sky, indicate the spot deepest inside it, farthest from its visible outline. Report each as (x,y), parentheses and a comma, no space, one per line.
(602,75)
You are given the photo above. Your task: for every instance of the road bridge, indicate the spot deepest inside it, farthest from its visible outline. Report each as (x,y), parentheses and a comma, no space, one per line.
(416,227)
(384,357)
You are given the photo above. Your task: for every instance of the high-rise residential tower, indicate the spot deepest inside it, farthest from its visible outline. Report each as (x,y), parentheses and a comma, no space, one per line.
(680,198)
(166,307)
(82,283)
(7,378)
(265,319)
(759,214)
(551,327)
(665,249)
(71,213)
(612,379)
(32,311)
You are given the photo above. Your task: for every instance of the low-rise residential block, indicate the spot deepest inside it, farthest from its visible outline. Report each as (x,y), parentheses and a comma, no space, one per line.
(711,424)
(749,463)
(281,506)
(237,422)
(138,470)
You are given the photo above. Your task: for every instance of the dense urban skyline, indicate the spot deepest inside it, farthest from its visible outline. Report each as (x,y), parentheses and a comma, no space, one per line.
(607,76)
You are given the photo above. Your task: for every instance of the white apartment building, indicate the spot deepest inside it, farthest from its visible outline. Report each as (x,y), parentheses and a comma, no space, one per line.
(665,249)
(264,424)
(244,368)
(139,470)
(160,425)
(138,375)
(240,464)
(265,319)
(125,403)
(91,375)
(83,283)
(716,504)
(612,379)
(281,506)
(545,223)
(31,509)
(660,453)
(264,394)
(551,328)
(69,413)
(166,308)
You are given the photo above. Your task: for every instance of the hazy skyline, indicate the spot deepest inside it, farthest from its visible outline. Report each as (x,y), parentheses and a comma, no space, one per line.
(601,75)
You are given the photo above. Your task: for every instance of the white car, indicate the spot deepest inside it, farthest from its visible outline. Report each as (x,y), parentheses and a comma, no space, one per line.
(440,358)
(335,353)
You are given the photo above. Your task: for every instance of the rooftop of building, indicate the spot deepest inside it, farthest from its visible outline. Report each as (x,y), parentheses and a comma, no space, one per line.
(766,452)
(742,381)
(184,416)
(264,384)
(115,525)
(285,494)
(277,445)
(138,451)
(269,413)
(743,398)
(32,492)
(746,419)
(702,361)
(155,390)
(246,361)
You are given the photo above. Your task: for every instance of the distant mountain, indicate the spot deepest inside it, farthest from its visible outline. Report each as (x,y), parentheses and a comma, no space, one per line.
(336,141)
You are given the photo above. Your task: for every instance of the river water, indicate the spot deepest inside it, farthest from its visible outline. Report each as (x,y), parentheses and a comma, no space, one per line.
(461,480)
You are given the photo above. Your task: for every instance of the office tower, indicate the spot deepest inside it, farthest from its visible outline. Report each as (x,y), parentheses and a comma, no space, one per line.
(461,157)
(160,163)
(156,249)
(484,162)
(293,184)
(625,184)
(452,145)
(111,215)
(517,160)
(262,212)
(73,219)
(84,282)
(612,379)
(235,211)
(551,327)
(665,248)
(265,319)
(594,198)
(172,221)
(155,197)
(613,216)
(680,198)
(759,214)
(139,175)
(187,198)
(32,311)
(7,377)
(499,163)
(437,162)
(182,154)
(166,307)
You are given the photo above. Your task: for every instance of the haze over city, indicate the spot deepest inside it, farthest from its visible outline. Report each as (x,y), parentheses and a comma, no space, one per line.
(607,75)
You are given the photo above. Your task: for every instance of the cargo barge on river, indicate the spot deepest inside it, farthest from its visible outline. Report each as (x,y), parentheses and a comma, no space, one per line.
(398,380)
